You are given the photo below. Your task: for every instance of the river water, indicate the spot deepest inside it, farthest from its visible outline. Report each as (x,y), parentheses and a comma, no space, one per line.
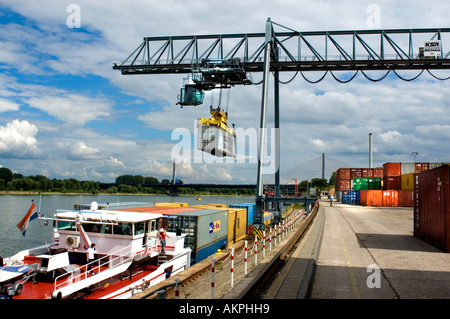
(14,207)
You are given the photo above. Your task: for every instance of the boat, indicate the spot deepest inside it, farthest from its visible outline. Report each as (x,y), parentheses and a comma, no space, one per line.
(128,257)
(198,197)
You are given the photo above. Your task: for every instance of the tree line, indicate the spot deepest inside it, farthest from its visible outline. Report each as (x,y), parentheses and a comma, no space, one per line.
(125,184)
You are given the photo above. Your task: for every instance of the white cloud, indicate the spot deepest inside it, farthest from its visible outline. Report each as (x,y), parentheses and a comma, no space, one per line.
(6,105)
(17,139)
(72,108)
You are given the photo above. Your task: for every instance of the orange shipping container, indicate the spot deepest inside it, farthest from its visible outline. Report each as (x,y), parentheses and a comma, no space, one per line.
(392,169)
(390,198)
(371,198)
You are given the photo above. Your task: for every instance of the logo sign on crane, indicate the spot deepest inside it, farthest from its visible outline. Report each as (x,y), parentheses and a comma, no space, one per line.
(433,48)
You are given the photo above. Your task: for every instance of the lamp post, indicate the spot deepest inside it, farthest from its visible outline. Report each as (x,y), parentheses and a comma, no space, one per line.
(414,154)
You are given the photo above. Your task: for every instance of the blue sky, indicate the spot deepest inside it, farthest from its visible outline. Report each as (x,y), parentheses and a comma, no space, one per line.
(64,112)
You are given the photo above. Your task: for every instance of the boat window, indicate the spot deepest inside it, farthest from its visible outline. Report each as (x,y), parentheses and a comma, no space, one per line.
(122,229)
(97,228)
(153,226)
(139,228)
(65,225)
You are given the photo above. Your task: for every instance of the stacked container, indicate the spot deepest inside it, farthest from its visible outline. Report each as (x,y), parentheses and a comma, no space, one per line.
(391,176)
(206,231)
(250,207)
(432,207)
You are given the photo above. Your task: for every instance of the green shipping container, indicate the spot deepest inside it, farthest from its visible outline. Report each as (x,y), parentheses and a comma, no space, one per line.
(363,184)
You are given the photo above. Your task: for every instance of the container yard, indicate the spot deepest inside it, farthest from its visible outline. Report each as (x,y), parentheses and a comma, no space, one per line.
(389,186)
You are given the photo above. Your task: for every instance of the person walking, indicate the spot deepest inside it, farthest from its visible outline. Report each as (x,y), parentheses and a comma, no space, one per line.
(90,256)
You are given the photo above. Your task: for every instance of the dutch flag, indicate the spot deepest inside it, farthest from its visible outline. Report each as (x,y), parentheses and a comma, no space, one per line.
(31,215)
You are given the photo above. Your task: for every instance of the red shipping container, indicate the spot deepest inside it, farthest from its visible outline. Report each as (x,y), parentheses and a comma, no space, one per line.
(367,173)
(371,198)
(343,173)
(392,169)
(392,182)
(390,198)
(432,207)
(420,167)
(406,198)
(355,173)
(343,185)
(377,173)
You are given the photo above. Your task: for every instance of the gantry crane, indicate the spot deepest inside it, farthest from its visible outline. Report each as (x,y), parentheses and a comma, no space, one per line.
(226,60)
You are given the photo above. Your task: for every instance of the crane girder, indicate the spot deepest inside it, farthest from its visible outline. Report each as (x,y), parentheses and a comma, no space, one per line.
(362,50)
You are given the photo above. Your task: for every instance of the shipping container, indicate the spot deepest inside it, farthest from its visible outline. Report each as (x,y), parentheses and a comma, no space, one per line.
(392,182)
(267,218)
(407,168)
(390,198)
(392,169)
(407,181)
(350,197)
(378,172)
(367,173)
(343,173)
(237,222)
(366,184)
(355,173)
(432,207)
(250,213)
(206,230)
(371,197)
(420,167)
(343,185)
(173,204)
(406,198)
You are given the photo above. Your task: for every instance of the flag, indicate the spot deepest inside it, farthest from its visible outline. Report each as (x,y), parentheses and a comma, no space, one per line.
(31,215)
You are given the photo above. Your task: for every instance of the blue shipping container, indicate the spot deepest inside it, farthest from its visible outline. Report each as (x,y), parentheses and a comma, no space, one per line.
(251,207)
(205,252)
(350,197)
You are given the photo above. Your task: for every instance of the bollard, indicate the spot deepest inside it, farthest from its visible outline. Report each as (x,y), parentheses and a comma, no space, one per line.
(264,244)
(275,236)
(256,250)
(177,290)
(245,259)
(270,239)
(212,278)
(232,266)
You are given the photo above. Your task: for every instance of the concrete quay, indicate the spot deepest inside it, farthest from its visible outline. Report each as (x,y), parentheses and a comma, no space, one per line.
(356,252)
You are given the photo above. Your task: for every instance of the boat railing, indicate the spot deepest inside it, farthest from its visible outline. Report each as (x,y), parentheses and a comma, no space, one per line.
(104,263)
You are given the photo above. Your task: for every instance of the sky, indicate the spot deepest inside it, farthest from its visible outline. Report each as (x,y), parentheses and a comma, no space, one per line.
(65,113)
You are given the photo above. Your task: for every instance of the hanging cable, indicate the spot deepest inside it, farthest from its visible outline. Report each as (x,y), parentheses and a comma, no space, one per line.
(287,82)
(440,79)
(344,81)
(408,80)
(314,82)
(375,80)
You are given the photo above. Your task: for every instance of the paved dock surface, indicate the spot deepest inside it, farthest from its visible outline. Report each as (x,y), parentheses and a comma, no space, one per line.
(355,252)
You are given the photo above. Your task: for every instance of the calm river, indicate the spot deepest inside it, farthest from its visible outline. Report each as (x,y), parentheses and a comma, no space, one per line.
(14,207)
